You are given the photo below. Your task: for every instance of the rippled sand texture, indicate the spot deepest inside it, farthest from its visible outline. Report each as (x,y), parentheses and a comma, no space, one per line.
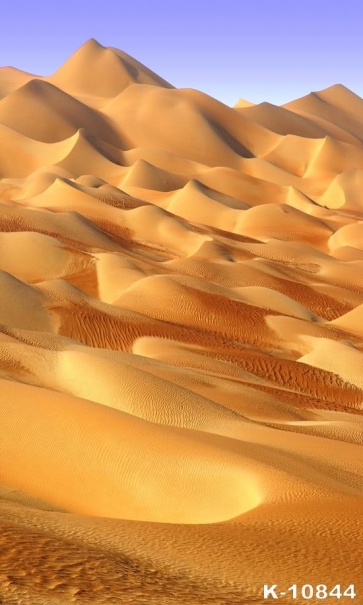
(181,339)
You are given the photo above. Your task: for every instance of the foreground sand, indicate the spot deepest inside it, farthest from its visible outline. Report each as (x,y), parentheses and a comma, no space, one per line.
(181,368)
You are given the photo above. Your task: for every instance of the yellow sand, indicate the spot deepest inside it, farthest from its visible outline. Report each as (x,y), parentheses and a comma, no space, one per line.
(181,341)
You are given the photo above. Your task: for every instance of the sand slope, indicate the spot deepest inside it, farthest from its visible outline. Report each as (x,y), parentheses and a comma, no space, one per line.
(181,342)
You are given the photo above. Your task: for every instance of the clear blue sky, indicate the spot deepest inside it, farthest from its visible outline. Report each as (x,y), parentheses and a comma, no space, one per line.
(272,50)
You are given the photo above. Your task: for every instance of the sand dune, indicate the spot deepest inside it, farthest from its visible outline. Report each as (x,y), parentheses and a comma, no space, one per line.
(350,322)
(280,120)
(11,79)
(243,103)
(327,109)
(344,360)
(181,342)
(111,72)
(62,115)
(145,175)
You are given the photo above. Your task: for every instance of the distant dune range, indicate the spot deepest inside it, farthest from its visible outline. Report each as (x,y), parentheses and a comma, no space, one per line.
(181,339)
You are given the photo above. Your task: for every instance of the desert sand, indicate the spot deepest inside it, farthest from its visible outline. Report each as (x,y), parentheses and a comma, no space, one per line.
(181,340)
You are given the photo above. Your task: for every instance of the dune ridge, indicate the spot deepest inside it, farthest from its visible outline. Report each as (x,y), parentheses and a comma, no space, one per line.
(181,342)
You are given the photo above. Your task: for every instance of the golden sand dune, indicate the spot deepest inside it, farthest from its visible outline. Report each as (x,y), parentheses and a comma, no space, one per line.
(11,79)
(181,343)
(280,120)
(351,322)
(62,115)
(96,71)
(336,109)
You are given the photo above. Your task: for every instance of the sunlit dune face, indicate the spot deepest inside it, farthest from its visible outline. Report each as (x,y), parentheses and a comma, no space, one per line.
(181,341)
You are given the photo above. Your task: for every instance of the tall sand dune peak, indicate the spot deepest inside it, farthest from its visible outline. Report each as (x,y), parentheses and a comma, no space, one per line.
(102,71)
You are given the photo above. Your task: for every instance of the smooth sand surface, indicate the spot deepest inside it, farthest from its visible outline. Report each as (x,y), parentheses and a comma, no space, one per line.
(181,341)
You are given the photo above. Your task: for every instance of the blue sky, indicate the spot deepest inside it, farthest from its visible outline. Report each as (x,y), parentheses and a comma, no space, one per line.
(261,50)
